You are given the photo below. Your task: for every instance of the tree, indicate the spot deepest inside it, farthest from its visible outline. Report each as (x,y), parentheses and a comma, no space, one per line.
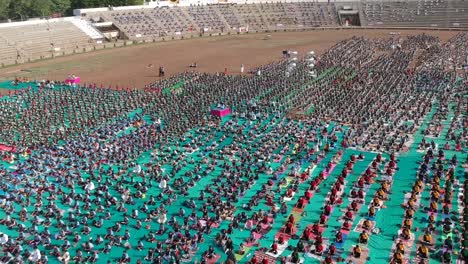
(24,9)
(40,8)
(61,6)
(4,4)
(135,2)
(19,9)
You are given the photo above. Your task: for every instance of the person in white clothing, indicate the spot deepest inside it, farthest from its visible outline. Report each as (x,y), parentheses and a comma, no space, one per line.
(89,186)
(3,239)
(65,258)
(35,255)
(163,184)
(137,169)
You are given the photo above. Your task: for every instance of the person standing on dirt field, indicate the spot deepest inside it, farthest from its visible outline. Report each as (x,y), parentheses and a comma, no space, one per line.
(161,71)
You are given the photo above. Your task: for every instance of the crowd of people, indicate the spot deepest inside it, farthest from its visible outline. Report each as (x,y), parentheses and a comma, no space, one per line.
(103,174)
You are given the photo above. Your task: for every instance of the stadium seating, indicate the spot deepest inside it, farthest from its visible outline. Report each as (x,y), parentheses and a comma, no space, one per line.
(8,52)
(421,13)
(42,39)
(282,16)
(151,23)
(159,22)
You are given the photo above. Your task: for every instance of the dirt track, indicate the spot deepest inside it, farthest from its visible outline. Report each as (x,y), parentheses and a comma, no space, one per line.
(128,67)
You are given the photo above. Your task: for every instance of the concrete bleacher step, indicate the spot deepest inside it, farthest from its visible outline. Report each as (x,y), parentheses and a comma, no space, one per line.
(37,40)
(87,28)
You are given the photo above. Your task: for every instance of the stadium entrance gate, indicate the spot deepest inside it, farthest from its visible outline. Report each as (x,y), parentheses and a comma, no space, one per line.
(349,16)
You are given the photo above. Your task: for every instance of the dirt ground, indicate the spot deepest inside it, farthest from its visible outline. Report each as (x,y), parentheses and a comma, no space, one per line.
(128,67)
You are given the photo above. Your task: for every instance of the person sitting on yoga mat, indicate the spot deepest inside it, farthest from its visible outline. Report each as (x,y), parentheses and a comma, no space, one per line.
(433,207)
(283,208)
(289,228)
(274,248)
(304,176)
(389,170)
(446,257)
(88,246)
(327,209)
(281,240)
(361,194)
(318,248)
(407,223)
(397,258)
(241,250)
(35,255)
(125,258)
(357,251)
(313,185)
(339,237)
(447,198)
(295,256)
(306,234)
(435,186)
(400,247)
(269,200)
(332,198)
(446,209)
(423,251)
(210,253)
(363,237)
(371,212)
(291,219)
(416,189)
(435,195)
(354,206)
(366,224)
(78,256)
(332,250)
(346,225)
(381,194)
(265,220)
(323,219)
(448,243)
(65,257)
(348,215)
(301,202)
(328,260)
(410,204)
(300,246)
(315,228)
(447,227)
(427,238)
(409,213)
(406,233)
(376,202)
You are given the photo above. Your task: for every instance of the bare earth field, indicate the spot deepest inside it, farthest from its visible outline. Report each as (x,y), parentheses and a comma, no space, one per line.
(128,66)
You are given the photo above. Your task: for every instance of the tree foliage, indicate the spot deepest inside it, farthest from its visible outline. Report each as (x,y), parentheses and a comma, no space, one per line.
(24,9)
(4,6)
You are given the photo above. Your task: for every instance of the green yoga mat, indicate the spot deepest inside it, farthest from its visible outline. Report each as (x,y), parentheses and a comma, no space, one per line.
(9,86)
(175,87)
